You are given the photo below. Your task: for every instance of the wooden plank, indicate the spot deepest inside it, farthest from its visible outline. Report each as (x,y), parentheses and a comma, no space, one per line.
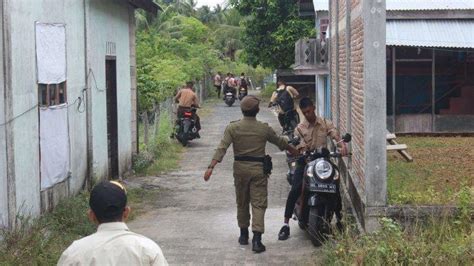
(404,153)
(396,147)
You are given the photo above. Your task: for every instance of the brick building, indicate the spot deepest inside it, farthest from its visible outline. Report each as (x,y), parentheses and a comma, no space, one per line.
(408,58)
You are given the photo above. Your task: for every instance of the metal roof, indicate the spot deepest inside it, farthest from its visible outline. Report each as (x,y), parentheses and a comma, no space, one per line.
(431,33)
(413,5)
(321,5)
(429,4)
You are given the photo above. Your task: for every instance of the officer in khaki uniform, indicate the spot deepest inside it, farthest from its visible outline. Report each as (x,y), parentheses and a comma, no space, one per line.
(249,138)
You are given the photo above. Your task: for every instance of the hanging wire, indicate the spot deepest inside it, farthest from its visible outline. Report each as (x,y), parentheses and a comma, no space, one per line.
(89,74)
(20,115)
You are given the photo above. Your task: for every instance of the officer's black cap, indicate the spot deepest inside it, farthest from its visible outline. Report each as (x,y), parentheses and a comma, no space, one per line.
(108,199)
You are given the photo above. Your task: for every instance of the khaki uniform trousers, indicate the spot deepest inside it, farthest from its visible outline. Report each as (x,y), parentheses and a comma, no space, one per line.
(251,189)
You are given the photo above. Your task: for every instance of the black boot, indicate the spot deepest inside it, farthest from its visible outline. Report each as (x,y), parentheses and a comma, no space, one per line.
(244,236)
(257,244)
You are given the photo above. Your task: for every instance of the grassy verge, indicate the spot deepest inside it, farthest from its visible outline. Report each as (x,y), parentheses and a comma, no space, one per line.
(162,153)
(41,241)
(442,173)
(267,91)
(442,166)
(433,241)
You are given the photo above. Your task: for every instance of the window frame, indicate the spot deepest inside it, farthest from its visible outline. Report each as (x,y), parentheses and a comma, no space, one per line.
(49,100)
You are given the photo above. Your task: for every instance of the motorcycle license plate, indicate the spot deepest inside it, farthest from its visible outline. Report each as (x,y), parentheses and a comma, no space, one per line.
(322,187)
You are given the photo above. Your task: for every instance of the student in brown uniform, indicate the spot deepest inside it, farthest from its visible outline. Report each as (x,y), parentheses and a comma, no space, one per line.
(249,138)
(186,99)
(313,132)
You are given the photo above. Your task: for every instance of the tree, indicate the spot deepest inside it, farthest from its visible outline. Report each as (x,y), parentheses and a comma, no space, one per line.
(271,29)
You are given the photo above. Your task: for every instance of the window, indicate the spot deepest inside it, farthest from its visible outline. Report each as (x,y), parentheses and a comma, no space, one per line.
(52,94)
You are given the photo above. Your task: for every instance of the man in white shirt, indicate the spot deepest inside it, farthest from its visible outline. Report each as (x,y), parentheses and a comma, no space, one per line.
(113,243)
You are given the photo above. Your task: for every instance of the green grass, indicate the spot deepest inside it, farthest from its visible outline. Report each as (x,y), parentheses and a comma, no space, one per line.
(441,167)
(442,173)
(267,92)
(429,241)
(41,241)
(162,153)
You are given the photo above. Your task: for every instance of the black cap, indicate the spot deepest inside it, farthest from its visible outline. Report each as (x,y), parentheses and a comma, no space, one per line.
(108,200)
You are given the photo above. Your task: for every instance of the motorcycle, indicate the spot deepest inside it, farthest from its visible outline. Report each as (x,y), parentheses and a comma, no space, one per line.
(321,198)
(290,159)
(186,128)
(242,93)
(229,99)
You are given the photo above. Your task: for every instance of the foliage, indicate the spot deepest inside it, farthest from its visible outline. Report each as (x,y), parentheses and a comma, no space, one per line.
(271,30)
(268,90)
(442,166)
(184,43)
(435,242)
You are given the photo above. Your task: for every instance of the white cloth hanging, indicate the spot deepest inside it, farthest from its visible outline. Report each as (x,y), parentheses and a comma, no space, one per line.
(54,145)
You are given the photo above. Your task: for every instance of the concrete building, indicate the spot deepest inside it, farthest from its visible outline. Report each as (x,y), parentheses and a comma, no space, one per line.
(430,55)
(68,100)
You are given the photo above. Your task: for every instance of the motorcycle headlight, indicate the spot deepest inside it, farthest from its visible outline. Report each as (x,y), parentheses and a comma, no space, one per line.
(309,171)
(323,169)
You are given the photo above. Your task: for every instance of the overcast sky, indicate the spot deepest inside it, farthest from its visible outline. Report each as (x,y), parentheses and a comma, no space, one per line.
(210,3)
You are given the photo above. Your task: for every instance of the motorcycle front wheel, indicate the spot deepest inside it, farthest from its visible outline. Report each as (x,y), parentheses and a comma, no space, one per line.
(316,224)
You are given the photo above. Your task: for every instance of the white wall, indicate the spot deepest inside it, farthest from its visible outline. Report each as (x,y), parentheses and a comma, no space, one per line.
(108,22)
(24,14)
(3,155)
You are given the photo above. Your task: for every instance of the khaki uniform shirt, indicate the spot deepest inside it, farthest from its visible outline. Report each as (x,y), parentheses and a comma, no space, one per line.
(314,136)
(292,91)
(113,244)
(186,98)
(249,138)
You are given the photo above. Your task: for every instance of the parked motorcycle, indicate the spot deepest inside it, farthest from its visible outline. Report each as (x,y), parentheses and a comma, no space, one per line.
(242,93)
(321,198)
(186,128)
(229,98)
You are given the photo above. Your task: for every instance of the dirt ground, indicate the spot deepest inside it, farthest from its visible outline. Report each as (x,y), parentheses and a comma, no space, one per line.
(441,167)
(195,223)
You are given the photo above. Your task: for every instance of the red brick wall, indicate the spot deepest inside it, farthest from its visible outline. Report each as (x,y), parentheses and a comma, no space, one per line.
(356,73)
(357,115)
(342,9)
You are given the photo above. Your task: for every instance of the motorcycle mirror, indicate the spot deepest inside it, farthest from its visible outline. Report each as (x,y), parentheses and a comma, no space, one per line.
(347,137)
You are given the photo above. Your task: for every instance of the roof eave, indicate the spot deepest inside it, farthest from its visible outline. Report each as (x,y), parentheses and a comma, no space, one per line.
(147,5)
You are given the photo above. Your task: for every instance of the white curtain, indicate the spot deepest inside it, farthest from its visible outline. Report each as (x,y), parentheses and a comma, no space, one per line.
(51,53)
(54,144)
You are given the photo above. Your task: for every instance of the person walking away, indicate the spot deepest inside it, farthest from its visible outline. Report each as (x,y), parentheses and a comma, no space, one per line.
(187,99)
(113,243)
(225,83)
(313,132)
(243,84)
(218,83)
(285,97)
(251,168)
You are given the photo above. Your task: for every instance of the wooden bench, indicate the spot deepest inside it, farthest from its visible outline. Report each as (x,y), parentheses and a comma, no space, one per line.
(393,145)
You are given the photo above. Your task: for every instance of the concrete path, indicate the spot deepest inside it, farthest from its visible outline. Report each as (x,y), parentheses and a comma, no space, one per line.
(195,222)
